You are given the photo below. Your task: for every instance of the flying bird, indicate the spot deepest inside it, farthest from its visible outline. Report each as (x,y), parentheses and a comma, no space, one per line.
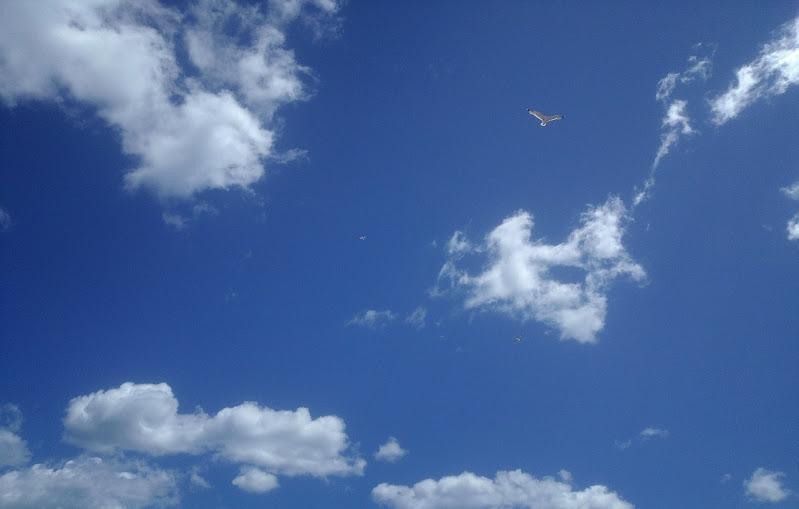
(517,339)
(545,119)
(362,237)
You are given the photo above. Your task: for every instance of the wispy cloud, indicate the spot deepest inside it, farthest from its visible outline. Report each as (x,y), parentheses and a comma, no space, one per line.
(417,318)
(675,123)
(651,432)
(791,191)
(180,221)
(5,220)
(699,67)
(372,318)
(771,73)
(792,227)
(644,435)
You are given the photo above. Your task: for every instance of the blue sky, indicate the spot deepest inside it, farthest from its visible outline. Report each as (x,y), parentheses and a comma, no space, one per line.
(246,244)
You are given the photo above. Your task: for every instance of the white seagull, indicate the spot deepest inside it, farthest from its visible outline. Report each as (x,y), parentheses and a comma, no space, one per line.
(545,119)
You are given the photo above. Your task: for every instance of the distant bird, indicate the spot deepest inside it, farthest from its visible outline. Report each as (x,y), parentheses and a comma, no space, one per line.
(517,339)
(545,119)
(362,237)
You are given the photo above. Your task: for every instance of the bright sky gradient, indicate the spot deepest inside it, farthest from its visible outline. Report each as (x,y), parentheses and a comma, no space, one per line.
(313,253)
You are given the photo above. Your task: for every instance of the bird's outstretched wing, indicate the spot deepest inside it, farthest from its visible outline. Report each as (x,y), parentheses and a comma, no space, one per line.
(554,117)
(537,114)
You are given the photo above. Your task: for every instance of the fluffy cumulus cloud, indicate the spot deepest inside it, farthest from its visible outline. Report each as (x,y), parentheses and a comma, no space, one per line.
(145,418)
(372,318)
(520,277)
(88,482)
(792,228)
(391,451)
(774,71)
(13,449)
(505,490)
(255,480)
(189,129)
(766,486)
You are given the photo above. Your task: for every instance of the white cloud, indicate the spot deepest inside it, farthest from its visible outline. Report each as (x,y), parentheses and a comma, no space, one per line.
(766,486)
(666,86)
(208,142)
(90,483)
(13,449)
(196,479)
(5,220)
(643,436)
(699,67)
(519,279)
(10,417)
(188,132)
(265,72)
(793,228)
(506,490)
(623,444)
(181,221)
(417,318)
(390,451)
(288,10)
(255,480)
(651,432)
(174,220)
(458,244)
(675,124)
(771,73)
(792,191)
(145,418)
(372,319)
(318,15)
